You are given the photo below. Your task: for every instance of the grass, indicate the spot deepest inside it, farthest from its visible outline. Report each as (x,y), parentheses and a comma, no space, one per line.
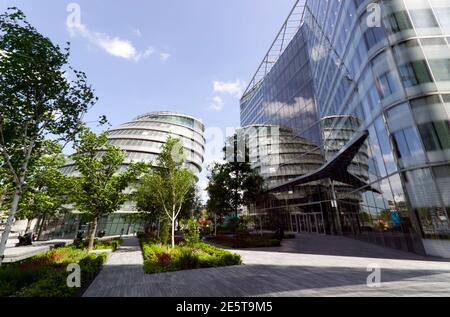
(243,241)
(45,275)
(160,258)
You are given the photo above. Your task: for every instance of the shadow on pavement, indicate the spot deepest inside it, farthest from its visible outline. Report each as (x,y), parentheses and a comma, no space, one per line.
(253,280)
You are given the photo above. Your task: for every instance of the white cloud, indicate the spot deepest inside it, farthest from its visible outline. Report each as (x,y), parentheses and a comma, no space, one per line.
(149,51)
(164,56)
(137,32)
(114,46)
(290,109)
(235,88)
(217,104)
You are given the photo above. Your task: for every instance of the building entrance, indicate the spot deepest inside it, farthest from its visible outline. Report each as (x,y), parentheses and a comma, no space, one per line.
(308,223)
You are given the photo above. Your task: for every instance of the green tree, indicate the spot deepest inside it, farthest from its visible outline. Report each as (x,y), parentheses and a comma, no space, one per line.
(100,188)
(235,183)
(46,193)
(36,100)
(191,231)
(5,190)
(193,204)
(218,201)
(168,184)
(150,210)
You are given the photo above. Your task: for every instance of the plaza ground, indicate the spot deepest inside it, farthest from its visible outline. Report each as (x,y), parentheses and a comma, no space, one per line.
(310,265)
(16,254)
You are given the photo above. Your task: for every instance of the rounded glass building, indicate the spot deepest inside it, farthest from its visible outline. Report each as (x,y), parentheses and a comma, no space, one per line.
(142,139)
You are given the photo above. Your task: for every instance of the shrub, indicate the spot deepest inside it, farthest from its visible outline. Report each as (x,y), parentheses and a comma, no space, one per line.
(192,232)
(14,278)
(91,265)
(186,259)
(164,232)
(236,225)
(161,258)
(45,275)
(53,285)
(164,258)
(224,258)
(112,244)
(153,261)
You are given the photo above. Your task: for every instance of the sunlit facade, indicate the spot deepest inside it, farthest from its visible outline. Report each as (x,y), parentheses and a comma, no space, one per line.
(142,140)
(393,78)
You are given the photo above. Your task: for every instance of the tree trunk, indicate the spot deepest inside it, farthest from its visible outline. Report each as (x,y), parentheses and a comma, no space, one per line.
(173,232)
(215,224)
(28,225)
(41,227)
(9,223)
(92,234)
(260,226)
(38,224)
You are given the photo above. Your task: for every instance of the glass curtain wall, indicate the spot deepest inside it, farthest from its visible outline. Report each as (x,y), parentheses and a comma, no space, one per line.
(393,77)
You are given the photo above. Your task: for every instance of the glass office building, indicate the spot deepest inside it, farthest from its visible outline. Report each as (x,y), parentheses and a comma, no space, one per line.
(142,139)
(341,72)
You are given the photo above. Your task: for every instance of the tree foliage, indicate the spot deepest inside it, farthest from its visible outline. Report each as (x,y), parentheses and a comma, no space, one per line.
(100,188)
(36,99)
(168,184)
(235,183)
(45,195)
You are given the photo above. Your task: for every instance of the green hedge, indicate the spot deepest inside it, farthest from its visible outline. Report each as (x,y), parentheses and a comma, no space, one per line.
(162,258)
(45,275)
(113,244)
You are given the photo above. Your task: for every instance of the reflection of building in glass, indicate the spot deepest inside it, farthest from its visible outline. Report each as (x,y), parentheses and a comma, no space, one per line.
(330,69)
(337,131)
(142,140)
(278,154)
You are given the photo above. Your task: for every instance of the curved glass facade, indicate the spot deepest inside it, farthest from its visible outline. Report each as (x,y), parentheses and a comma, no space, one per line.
(142,140)
(143,137)
(393,78)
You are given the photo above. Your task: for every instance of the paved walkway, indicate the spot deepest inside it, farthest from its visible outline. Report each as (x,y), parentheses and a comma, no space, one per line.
(306,266)
(15,254)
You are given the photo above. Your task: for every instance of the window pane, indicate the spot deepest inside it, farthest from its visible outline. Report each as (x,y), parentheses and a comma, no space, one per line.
(412,138)
(443,15)
(442,176)
(423,18)
(401,144)
(443,132)
(441,69)
(429,137)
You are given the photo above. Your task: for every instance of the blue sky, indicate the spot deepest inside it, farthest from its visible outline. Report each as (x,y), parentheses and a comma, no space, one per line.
(189,56)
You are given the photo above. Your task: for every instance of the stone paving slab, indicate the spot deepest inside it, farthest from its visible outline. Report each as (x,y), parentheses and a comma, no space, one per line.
(15,254)
(306,266)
